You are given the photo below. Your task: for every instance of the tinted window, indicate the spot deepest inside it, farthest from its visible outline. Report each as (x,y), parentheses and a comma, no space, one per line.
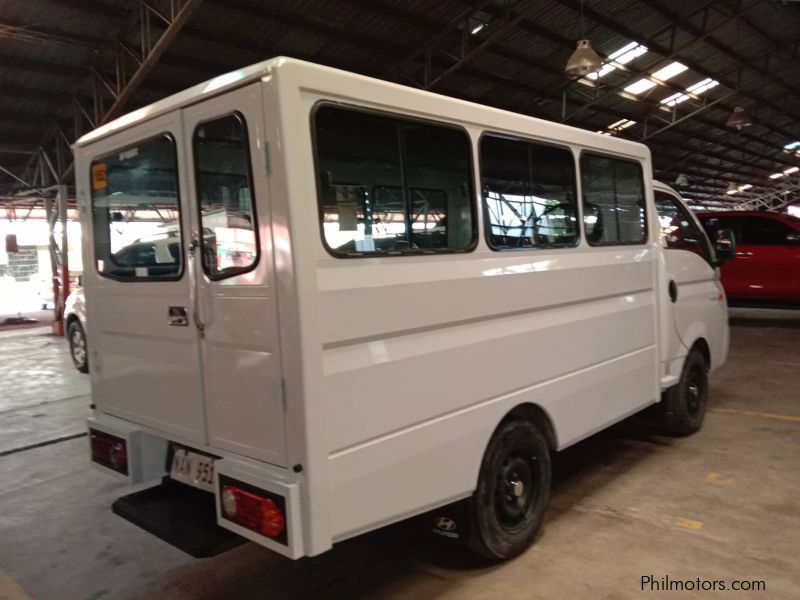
(135,210)
(678,228)
(224,193)
(613,200)
(529,196)
(391,185)
(764,231)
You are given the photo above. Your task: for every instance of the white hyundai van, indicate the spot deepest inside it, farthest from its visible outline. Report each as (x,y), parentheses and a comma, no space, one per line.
(378,301)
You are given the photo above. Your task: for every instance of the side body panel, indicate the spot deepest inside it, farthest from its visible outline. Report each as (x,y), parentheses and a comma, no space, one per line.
(409,363)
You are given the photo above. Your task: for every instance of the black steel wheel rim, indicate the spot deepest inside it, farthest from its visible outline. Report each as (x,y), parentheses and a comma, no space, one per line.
(515,488)
(695,390)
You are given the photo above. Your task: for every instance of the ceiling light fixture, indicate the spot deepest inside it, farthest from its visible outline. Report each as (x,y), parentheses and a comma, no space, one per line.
(739,119)
(744,187)
(681,180)
(776,175)
(584,59)
(791,170)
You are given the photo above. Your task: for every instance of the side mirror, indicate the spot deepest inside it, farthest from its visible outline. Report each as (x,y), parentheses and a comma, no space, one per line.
(11,243)
(793,239)
(725,246)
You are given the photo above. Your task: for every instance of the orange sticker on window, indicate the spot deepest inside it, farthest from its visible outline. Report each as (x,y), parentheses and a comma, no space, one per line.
(99,178)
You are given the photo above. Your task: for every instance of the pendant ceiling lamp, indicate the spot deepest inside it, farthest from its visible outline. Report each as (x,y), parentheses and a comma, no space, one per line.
(584,59)
(739,119)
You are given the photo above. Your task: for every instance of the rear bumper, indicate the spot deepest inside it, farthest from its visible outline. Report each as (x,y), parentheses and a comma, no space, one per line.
(188,518)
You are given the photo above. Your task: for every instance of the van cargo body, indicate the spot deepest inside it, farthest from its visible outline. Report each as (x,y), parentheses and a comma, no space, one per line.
(316,299)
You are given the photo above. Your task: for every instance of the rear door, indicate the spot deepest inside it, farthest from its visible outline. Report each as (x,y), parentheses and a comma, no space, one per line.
(696,295)
(234,298)
(771,263)
(144,352)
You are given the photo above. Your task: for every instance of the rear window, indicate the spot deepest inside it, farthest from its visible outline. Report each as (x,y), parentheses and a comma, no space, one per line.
(135,212)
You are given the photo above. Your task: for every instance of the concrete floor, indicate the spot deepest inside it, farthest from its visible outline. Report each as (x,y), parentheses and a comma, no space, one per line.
(722,505)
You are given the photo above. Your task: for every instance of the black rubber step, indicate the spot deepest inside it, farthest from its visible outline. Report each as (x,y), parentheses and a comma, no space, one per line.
(180,515)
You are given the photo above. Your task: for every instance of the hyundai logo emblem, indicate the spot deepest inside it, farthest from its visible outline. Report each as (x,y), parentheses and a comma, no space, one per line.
(445,524)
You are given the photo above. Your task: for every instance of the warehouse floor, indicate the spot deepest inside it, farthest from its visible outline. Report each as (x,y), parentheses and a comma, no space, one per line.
(627,503)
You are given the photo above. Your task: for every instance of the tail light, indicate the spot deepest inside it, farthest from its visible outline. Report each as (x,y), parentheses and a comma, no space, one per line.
(109,450)
(253,508)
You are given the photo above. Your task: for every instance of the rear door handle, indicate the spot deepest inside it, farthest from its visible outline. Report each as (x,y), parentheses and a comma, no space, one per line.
(744,253)
(177,316)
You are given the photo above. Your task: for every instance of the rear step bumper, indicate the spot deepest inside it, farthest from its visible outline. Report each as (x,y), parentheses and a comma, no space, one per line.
(180,515)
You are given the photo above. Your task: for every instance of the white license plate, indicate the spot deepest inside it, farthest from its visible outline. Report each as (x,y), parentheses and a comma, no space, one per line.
(195,469)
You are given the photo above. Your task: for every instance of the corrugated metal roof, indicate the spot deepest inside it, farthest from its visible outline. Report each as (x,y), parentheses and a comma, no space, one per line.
(48,49)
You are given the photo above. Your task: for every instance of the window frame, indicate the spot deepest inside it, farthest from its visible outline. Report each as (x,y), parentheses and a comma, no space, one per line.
(401,117)
(182,264)
(646,231)
(709,255)
(752,219)
(487,226)
(201,243)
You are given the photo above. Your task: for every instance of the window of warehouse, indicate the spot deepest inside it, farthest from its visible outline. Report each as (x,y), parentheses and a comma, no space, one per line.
(613,201)
(529,194)
(390,185)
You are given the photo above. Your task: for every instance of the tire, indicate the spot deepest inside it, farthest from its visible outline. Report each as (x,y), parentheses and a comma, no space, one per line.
(685,403)
(78,349)
(507,508)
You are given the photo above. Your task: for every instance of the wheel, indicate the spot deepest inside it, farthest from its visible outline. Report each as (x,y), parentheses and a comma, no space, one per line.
(685,403)
(77,347)
(507,508)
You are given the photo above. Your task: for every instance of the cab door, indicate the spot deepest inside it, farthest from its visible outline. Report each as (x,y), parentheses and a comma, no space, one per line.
(695,294)
(771,259)
(234,297)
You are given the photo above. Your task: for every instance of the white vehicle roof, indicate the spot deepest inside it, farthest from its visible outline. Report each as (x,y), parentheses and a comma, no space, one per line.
(345,81)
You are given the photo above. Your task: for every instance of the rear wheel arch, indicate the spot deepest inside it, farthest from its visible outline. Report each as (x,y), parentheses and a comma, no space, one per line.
(539,417)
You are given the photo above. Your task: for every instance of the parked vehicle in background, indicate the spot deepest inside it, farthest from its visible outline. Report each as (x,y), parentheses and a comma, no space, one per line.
(767,266)
(75,329)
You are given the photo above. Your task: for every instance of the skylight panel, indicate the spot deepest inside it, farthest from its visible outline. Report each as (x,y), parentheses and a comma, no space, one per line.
(619,57)
(640,86)
(702,86)
(668,72)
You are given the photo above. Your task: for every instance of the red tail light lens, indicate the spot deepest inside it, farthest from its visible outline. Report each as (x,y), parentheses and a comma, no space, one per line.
(109,450)
(254,509)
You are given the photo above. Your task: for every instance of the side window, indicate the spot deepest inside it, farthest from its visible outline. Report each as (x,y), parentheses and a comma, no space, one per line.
(389,185)
(764,231)
(225,195)
(678,228)
(613,201)
(529,194)
(136,213)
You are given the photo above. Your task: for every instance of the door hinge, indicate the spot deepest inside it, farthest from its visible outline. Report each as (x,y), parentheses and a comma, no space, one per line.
(282,386)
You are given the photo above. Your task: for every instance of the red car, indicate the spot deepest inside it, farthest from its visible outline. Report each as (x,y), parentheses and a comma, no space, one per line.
(767,266)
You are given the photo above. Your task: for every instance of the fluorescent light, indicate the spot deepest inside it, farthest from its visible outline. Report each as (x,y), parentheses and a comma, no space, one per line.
(731,192)
(670,71)
(619,57)
(776,175)
(744,187)
(478,28)
(640,86)
(791,170)
(791,146)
